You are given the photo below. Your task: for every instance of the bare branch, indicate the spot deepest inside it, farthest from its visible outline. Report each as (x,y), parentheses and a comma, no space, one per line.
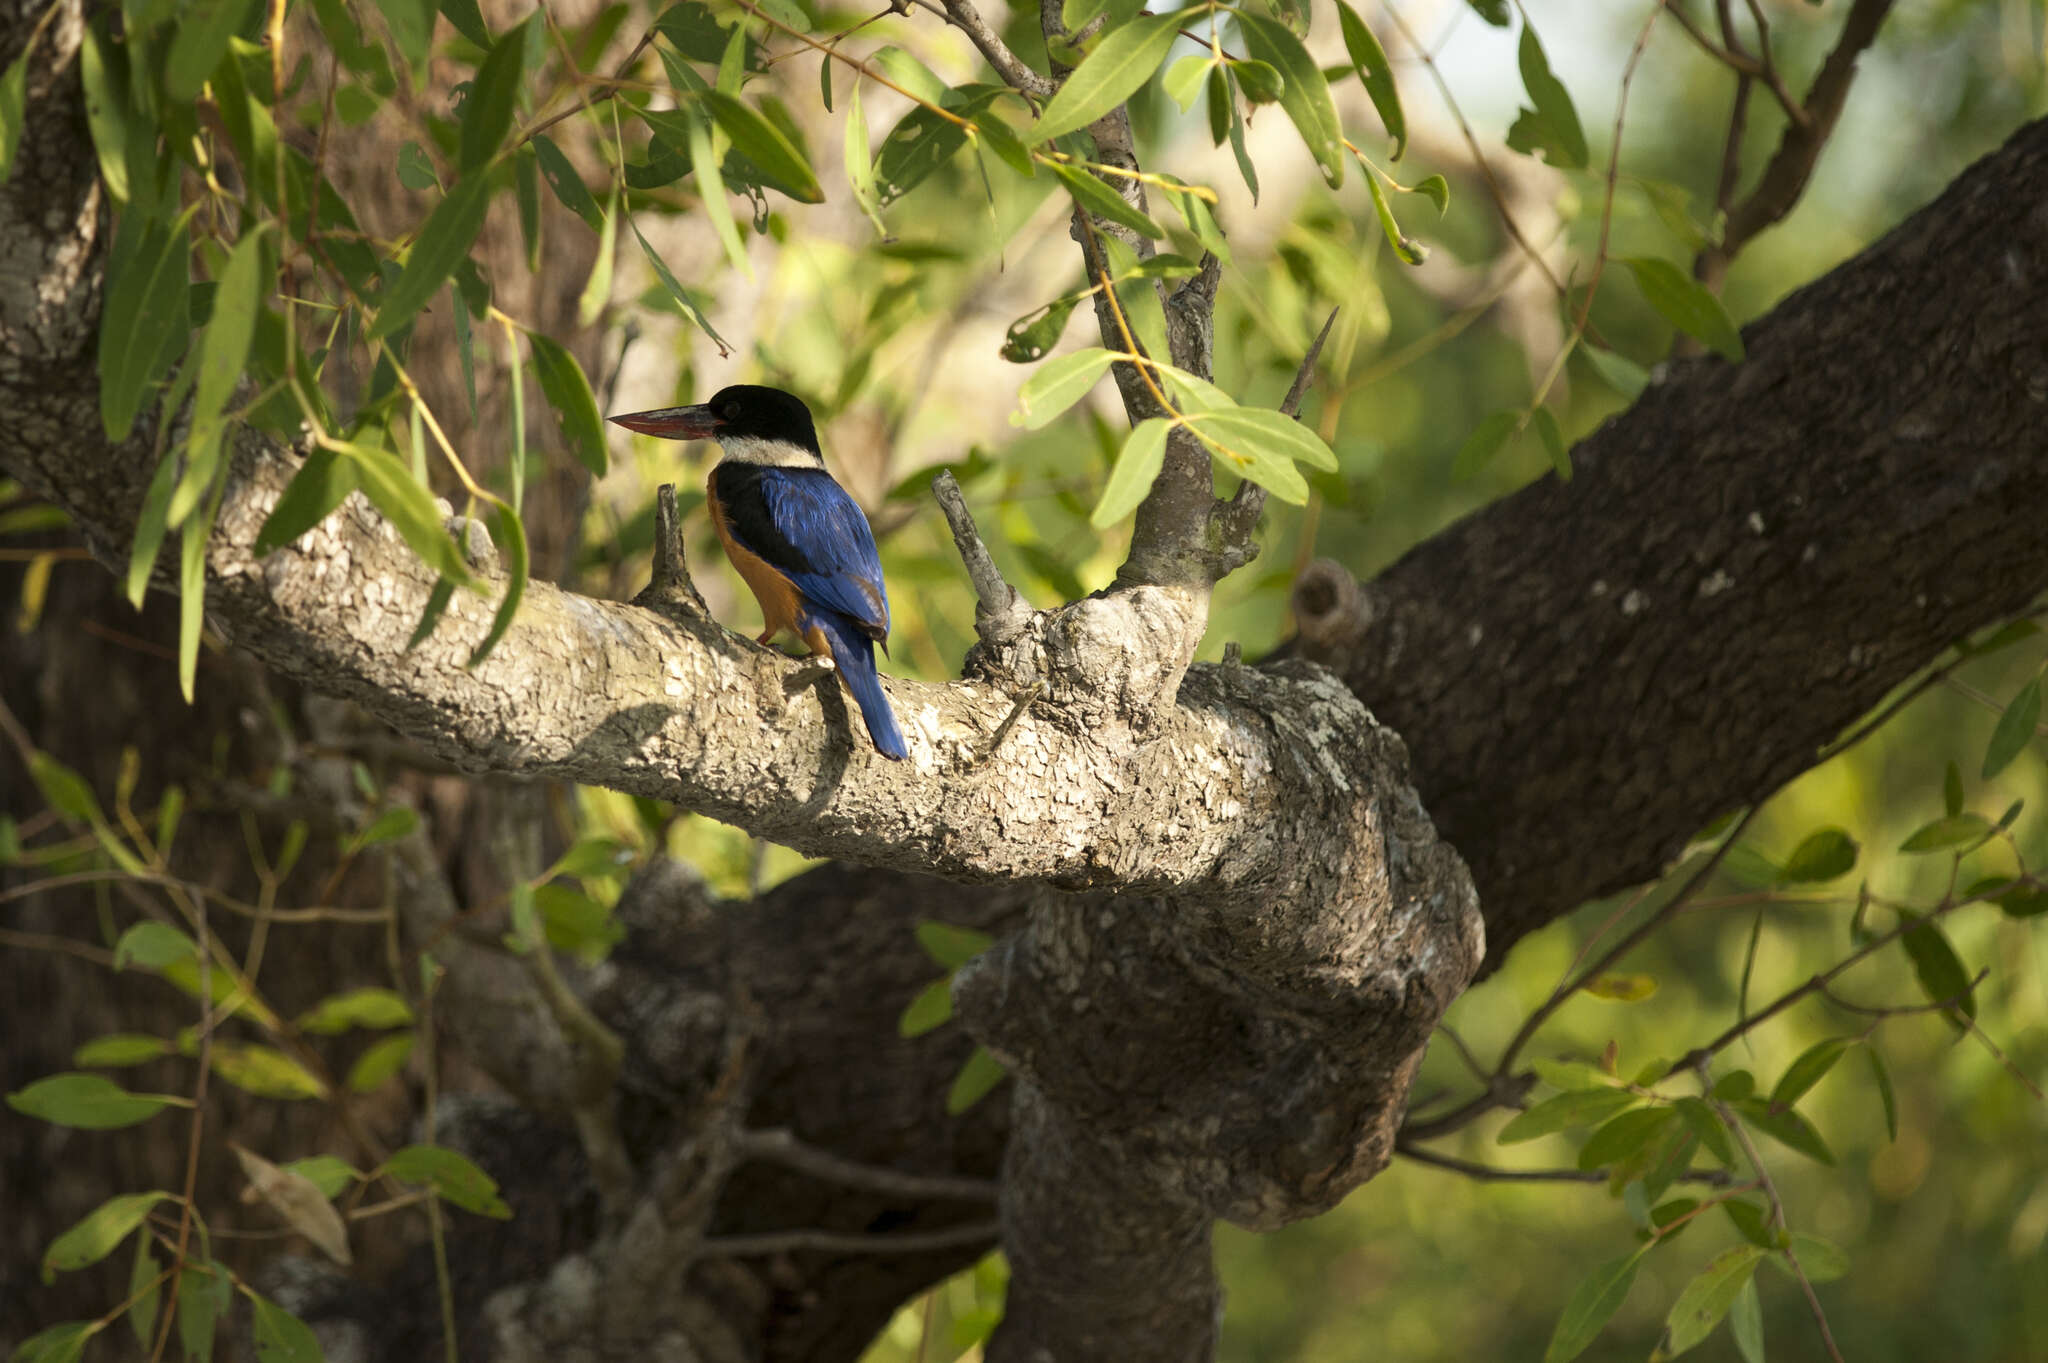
(965,17)
(782,1147)
(848,1242)
(1000,614)
(669,588)
(1236,519)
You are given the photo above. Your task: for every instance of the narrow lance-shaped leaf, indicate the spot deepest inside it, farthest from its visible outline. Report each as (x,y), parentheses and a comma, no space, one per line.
(1824,855)
(1939,969)
(1411,252)
(597,290)
(1059,384)
(192,589)
(675,289)
(1552,127)
(197,41)
(566,182)
(410,508)
(493,99)
(443,243)
(568,392)
(1486,441)
(1593,1303)
(1104,202)
(711,189)
(1137,465)
(1120,63)
(145,321)
(761,142)
(512,543)
(96,1236)
(2015,729)
(1809,1069)
(1706,1298)
(223,357)
(1306,95)
(1686,304)
(13,110)
(1369,59)
(314,491)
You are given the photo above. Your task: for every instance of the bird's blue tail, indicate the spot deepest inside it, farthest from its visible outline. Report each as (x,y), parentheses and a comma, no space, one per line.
(854,655)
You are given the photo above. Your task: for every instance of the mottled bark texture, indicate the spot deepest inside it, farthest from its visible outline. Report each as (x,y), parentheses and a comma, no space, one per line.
(1308,922)
(1747,560)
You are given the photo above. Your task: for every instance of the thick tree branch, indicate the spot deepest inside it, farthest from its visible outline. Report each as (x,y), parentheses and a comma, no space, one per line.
(1588,673)
(965,17)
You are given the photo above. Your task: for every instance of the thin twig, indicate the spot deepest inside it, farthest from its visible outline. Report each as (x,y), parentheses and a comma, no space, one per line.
(965,17)
(848,1242)
(1000,614)
(780,1146)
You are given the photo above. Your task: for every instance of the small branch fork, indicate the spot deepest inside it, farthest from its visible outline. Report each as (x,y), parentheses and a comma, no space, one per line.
(670,590)
(1000,613)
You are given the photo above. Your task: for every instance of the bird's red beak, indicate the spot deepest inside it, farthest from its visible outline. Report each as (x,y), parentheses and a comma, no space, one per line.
(672,423)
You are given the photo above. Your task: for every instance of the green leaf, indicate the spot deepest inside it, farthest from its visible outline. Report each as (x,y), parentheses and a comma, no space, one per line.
(1885,1095)
(526,190)
(1707,1298)
(65,790)
(1137,465)
(150,527)
(1584,1107)
(711,193)
(1104,202)
(450,1174)
(764,144)
(1809,1069)
(13,110)
(412,27)
(563,179)
(378,1062)
(1752,1222)
(368,1006)
(2023,901)
(145,1292)
(2005,636)
(192,588)
(282,1337)
(1706,1123)
(1686,304)
(930,1010)
(1788,1128)
(1306,95)
(977,1078)
(59,1344)
(512,543)
(197,41)
(430,615)
(493,99)
(2015,729)
(120,1048)
(1487,440)
(394,823)
(1824,855)
(1551,433)
(675,288)
(1823,1261)
(1186,78)
(1624,1135)
(1410,251)
(1264,434)
(1494,12)
(1122,61)
(204,1292)
(91,1102)
(223,360)
(410,508)
(951,946)
(1621,988)
(576,923)
(1369,59)
(153,946)
(1572,1076)
(1951,831)
(1734,1086)
(1941,971)
(264,1071)
(328,1173)
(1553,126)
(1618,372)
(1059,384)
(1952,789)
(117,133)
(568,392)
(314,491)
(99,1233)
(443,243)
(1593,1303)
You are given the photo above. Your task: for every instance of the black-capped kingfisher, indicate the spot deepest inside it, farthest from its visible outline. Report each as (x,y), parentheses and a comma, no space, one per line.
(797,538)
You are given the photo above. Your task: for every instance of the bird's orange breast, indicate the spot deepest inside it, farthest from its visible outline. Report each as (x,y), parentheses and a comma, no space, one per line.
(776,593)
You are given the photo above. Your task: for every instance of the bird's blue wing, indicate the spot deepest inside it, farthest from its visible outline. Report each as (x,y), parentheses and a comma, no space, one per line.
(834,564)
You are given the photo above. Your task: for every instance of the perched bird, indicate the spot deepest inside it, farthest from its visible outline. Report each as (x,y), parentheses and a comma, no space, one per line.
(800,542)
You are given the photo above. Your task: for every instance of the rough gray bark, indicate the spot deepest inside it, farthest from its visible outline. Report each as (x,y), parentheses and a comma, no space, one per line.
(1744,563)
